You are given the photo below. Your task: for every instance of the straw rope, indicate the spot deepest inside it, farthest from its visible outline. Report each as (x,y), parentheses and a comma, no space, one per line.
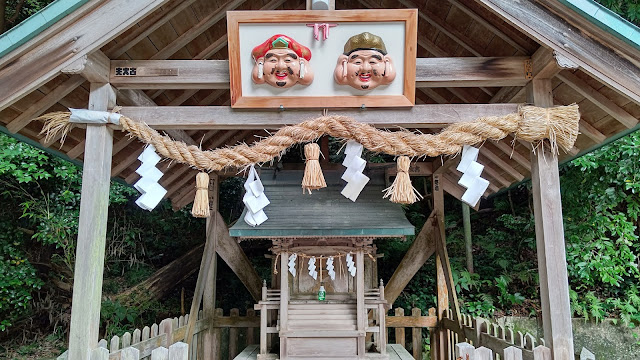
(530,123)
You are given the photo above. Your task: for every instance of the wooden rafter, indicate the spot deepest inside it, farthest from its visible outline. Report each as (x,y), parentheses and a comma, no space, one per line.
(45,61)
(598,99)
(151,24)
(42,105)
(594,58)
(494,29)
(196,30)
(222,41)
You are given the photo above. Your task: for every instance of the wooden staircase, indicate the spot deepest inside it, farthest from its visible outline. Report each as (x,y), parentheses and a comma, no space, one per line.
(320,330)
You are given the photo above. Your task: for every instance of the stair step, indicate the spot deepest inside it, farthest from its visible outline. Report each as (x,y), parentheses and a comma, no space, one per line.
(323,317)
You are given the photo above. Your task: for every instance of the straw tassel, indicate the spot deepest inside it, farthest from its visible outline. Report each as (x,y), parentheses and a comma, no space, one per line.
(313,178)
(201,202)
(401,191)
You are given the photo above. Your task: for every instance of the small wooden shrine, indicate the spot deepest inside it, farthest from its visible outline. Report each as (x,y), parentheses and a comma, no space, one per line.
(200,80)
(307,234)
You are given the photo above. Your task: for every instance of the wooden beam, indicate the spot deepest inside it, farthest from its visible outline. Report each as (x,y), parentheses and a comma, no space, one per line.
(421,249)
(39,107)
(214,74)
(442,343)
(196,30)
(45,61)
(566,40)
(471,72)
(94,67)
(211,342)
(92,230)
(223,117)
(550,244)
(232,254)
(598,98)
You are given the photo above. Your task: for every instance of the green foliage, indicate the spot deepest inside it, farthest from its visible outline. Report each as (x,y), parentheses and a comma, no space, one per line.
(17,277)
(628,9)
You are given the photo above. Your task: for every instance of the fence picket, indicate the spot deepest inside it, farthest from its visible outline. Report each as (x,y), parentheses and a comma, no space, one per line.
(586,355)
(126,340)
(99,353)
(179,351)
(483,353)
(63,356)
(103,343)
(416,336)
(512,353)
(400,330)
(154,330)
(233,336)
(130,353)
(115,344)
(251,333)
(465,351)
(161,353)
(541,353)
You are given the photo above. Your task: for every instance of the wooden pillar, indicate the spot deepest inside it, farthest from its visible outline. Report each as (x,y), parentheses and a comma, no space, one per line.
(284,300)
(211,341)
(552,263)
(361,314)
(442,346)
(468,245)
(92,229)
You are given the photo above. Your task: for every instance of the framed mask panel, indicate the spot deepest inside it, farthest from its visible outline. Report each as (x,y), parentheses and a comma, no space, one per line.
(322,59)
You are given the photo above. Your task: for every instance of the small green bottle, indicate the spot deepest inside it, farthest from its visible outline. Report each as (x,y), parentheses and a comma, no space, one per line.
(321,293)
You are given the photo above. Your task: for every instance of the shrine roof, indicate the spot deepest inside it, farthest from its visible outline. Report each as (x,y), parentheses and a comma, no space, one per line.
(325,213)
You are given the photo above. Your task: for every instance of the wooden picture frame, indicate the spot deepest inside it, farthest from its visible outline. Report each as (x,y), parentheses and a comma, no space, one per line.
(235,19)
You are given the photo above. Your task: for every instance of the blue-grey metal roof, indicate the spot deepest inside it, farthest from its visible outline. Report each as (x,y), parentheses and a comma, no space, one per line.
(325,213)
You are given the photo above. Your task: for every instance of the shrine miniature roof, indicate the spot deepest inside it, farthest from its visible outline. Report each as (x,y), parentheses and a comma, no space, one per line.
(324,213)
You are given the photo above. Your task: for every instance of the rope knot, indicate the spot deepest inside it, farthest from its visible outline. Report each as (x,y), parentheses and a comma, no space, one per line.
(313,178)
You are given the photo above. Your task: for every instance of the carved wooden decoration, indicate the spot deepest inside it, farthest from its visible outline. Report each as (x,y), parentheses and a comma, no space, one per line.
(288,59)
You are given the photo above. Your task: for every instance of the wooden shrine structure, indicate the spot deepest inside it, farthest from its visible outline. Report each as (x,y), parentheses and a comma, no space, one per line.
(474,58)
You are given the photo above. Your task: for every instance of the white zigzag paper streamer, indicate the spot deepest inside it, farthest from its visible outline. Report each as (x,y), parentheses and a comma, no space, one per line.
(292,264)
(312,268)
(330,269)
(355,165)
(254,199)
(351,266)
(471,180)
(152,192)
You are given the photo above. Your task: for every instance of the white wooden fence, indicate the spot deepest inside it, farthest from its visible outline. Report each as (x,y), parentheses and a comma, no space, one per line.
(466,351)
(172,330)
(177,351)
(499,341)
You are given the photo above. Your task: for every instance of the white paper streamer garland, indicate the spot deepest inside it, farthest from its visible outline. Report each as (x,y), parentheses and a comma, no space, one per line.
(351,266)
(471,180)
(312,268)
(330,269)
(292,264)
(152,192)
(254,199)
(355,165)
